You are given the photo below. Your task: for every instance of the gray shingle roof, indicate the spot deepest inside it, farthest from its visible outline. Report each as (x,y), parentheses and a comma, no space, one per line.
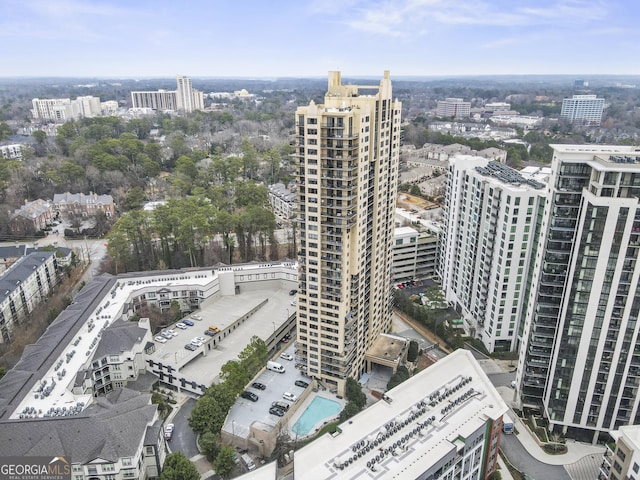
(36,359)
(21,271)
(119,336)
(112,427)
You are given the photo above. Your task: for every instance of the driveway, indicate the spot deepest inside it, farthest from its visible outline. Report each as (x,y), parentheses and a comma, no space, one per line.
(523,461)
(184,439)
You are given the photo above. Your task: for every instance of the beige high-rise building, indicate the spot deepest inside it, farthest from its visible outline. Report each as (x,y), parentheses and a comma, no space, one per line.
(347,151)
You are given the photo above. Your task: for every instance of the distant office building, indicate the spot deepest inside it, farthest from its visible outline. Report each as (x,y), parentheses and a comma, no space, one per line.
(580,83)
(489,236)
(580,358)
(444,422)
(347,151)
(583,109)
(623,462)
(183,99)
(60,110)
(11,152)
(453,107)
(414,254)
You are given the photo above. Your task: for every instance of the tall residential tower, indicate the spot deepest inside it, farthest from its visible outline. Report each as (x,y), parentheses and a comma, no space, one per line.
(580,356)
(347,153)
(489,236)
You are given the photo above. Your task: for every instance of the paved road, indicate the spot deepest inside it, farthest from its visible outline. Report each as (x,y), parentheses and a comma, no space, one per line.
(184,439)
(523,461)
(502,379)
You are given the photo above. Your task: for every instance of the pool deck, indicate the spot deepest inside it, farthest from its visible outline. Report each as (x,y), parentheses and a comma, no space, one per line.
(305,404)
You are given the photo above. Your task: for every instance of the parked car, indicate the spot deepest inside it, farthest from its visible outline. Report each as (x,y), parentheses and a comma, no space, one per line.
(249,396)
(202,339)
(301,383)
(172,332)
(168,436)
(280,405)
(166,335)
(181,326)
(259,386)
(160,339)
(276,411)
(211,333)
(196,341)
(294,303)
(286,356)
(168,431)
(188,322)
(191,346)
(196,317)
(289,396)
(293,292)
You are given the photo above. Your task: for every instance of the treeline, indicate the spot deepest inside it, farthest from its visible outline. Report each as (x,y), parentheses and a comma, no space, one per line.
(196,230)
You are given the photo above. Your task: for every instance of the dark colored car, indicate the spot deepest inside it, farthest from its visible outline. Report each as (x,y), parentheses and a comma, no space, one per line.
(276,411)
(249,396)
(188,322)
(190,346)
(293,292)
(301,383)
(211,333)
(259,386)
(281,405)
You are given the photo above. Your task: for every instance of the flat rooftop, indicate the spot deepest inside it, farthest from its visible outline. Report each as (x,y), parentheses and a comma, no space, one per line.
(70,344)
(415,425)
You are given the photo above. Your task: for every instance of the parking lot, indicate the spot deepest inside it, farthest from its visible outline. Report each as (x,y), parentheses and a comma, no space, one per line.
(245,411)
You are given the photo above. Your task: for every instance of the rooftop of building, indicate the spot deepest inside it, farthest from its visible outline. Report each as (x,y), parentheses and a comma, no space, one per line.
(389,348)
(112,427)
(508,175)
(631,434)
(81,198)
(20,271)
(415,425)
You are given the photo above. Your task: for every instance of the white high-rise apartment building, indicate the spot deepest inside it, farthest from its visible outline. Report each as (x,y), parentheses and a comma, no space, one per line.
(491,228)
(583,109)
(347,151)
(185,98)
(60,110)
(580,355)
(453,107)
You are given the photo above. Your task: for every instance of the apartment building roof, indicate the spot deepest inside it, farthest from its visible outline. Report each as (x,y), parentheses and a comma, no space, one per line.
(82,199)
(20,271)
(415,425)
(32,209)
(110,428)
(120,336)
(39,358)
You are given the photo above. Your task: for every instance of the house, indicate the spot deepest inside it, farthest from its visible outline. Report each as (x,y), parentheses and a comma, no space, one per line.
(85,205)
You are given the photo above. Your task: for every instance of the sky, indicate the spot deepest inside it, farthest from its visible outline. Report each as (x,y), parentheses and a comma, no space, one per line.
(307,38)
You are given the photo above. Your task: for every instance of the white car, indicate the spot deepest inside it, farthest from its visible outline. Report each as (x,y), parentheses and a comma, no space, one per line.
(169,427)
(160,339)
(166,335)
(202,339)
(196,341)
(289,396)
(196,317)
(173,333)
(181,326)
(286,356)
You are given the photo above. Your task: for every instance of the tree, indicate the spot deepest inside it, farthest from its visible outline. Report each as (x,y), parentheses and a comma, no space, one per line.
(210,444)
(397,378)
(354,393)
(179,467)
(412,354)
(350,409)
(223,464)
(415,190)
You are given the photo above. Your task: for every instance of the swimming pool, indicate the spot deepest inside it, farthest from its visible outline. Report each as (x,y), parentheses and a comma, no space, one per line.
(319,409)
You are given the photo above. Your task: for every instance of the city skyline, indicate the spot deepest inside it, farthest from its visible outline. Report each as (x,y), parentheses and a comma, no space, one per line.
(232,39)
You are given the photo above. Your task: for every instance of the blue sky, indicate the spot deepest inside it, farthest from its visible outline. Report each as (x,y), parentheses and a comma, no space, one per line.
(273,38)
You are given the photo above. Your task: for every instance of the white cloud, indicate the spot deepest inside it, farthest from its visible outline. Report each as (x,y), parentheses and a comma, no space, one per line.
(410,17)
